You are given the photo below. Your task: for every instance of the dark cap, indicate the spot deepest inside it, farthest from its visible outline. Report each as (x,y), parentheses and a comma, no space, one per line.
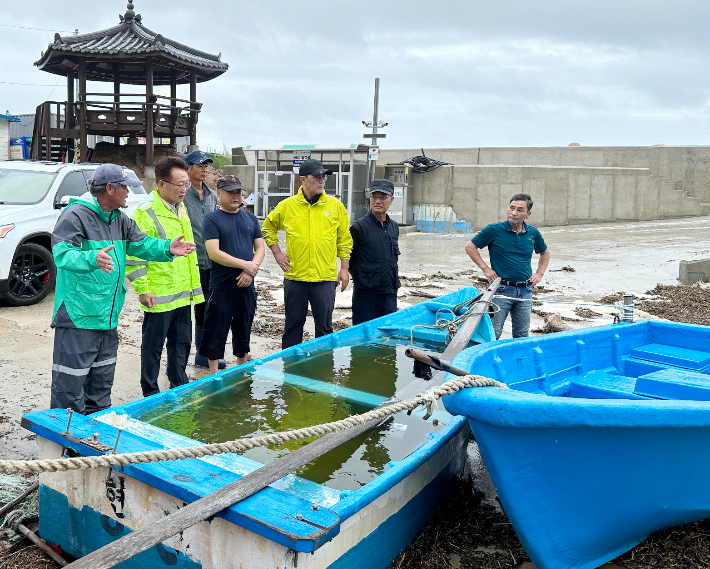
(196,157)
(230,183)
(384,186)
(113,174)
(312,167)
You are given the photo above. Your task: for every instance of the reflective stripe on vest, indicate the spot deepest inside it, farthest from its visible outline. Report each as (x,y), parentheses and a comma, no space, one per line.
(179,296)
(158,226)
(137,274)
(130,262)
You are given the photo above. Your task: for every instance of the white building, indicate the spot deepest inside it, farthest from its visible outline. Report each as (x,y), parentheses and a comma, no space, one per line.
(5,121)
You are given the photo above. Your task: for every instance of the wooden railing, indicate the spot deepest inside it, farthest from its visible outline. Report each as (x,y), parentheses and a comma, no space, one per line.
(110,114)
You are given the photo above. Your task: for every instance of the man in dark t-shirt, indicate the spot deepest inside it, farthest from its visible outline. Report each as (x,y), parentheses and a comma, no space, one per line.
(511,244)
(234,244)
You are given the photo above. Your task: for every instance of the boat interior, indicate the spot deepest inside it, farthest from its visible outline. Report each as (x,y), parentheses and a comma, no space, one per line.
(643,360)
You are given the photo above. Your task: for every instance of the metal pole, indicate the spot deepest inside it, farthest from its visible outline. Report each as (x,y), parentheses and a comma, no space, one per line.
(371,163)
(256,183)
(350,185)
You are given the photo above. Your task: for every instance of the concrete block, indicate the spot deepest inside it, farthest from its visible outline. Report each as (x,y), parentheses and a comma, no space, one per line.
(488,207)
(690,272)
(238,157)
(602,190)
(647,189)
(539,156)
(556,192)
(244,173)
(581,156)
(535,188)
(624,199)
(579,197)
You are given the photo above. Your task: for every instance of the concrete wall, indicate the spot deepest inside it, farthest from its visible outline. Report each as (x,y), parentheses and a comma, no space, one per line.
(4,139)
(569,185)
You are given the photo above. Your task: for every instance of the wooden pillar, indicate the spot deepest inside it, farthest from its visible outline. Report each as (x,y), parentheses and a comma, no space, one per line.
(83,146)
(173,102)
(193,114)
(69,115)
(149,112)
(116,100)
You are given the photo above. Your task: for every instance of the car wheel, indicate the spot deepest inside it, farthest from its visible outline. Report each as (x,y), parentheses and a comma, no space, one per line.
(32,276)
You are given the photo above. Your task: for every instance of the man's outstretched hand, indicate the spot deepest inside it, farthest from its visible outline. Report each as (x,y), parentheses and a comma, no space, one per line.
(181,248)
(104,260)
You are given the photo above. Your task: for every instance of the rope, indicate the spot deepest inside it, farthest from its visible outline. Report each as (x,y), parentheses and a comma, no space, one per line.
(426,399)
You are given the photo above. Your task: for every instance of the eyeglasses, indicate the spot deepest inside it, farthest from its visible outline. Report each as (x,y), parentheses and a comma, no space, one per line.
(181,185)
(321,178)
(379,197)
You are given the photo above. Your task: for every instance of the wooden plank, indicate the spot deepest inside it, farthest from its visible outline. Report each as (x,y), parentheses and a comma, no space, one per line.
(143,539)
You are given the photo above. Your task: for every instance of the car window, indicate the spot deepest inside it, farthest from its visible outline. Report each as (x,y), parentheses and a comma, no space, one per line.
(73,185)
(88,174)
(134,189)
(24,187)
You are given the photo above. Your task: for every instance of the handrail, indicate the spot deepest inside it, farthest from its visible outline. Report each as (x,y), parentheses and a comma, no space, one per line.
(112,95)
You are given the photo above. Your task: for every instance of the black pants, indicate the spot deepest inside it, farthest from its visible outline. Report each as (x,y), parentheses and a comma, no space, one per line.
(83,367)
(200,308)
(369,305)
(297,295)
(176,326)
(228,309)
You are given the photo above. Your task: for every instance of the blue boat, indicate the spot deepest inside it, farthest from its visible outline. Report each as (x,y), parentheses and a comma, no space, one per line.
(601,439)
(360,505)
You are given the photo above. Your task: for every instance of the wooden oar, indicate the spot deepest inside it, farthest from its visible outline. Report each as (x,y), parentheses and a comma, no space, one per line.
(143,539)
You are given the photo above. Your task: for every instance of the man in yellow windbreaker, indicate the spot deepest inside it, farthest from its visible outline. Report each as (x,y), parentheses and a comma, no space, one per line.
(166,290)
(317,234)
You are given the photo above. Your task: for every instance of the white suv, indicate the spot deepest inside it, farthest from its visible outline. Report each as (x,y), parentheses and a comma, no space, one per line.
(32,195)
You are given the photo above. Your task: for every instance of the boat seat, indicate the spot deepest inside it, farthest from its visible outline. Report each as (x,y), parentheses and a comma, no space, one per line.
(602,384)
(672,355)
(678,384)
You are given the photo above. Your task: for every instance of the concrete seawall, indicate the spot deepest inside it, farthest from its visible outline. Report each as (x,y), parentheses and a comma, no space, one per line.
(569,185)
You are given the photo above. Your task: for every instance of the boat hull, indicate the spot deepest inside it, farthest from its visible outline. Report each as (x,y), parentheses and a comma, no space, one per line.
(584,480)
(293,522)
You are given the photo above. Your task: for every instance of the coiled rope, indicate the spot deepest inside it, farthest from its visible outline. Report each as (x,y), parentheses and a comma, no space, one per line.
(240,445)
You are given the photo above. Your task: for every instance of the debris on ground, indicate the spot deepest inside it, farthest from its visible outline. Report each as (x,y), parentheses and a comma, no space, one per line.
(690,304)
(342,324)
(424,293)
(567,269)
(553,323)
(464,533)
(615,297)
(268,326)
(682,547)
(26,555)
(586,312)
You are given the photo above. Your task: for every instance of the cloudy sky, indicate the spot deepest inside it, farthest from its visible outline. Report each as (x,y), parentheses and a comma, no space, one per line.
(453,73)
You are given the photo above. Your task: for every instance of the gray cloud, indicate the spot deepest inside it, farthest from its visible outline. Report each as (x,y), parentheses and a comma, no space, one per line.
(453,73)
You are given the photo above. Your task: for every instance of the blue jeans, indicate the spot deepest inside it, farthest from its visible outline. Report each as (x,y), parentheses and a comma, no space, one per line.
(518,302)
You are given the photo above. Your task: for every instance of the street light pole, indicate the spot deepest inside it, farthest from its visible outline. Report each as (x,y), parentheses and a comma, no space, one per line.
(375,124)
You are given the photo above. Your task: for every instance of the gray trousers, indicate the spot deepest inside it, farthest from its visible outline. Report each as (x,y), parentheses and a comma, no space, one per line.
(83,367)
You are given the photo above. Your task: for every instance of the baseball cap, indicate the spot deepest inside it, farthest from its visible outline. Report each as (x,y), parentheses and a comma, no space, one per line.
(113,174)
(230,183)
(312,167)
(384,186)
(197,157)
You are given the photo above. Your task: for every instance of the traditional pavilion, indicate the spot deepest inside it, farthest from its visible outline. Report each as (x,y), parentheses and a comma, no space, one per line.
(128,54)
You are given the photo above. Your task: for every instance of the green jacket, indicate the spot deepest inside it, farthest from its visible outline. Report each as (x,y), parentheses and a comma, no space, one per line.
(316,236)
(85,296)
(173,285)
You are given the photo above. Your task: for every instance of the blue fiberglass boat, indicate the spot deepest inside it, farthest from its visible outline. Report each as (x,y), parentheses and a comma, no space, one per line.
(357,506)
(602,438)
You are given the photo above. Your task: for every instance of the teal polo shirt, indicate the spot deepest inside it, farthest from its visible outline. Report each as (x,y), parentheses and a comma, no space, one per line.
(510,252)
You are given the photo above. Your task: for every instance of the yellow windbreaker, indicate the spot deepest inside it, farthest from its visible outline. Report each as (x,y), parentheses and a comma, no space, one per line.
(173,284)
(316,236)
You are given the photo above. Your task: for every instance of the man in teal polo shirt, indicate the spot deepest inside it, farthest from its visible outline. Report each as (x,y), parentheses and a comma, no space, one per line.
(510,246)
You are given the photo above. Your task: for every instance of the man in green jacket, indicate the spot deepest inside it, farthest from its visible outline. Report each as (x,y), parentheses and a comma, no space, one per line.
(166,292)
(90,243)
(317,234)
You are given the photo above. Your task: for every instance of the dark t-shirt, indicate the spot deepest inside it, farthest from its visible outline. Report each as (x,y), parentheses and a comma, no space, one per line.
(510,252)
(236,233)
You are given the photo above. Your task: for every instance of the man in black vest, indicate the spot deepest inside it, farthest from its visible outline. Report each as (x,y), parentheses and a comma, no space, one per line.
(373,263)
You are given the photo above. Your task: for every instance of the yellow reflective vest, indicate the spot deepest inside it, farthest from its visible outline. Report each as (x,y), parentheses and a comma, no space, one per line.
(173,284)
(316,236)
